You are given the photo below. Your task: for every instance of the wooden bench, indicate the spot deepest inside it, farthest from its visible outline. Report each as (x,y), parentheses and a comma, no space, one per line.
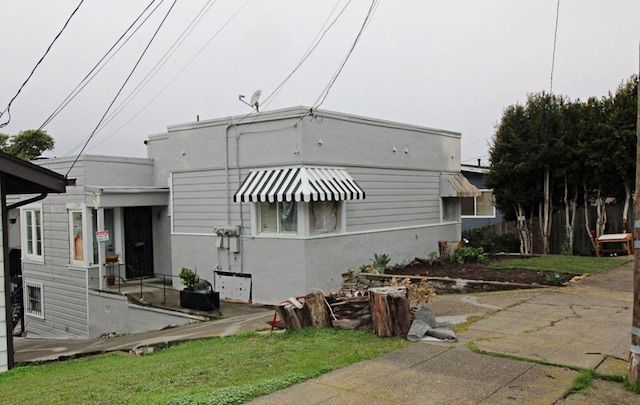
(614,242)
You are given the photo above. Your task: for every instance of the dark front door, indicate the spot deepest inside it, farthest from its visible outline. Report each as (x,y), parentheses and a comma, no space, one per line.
(138,250)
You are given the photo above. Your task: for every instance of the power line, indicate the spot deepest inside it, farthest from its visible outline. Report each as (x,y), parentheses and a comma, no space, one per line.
(161,62)
(123,85)
(314,44)
(90,76)
(555,37)
(325,92)
(8,109)
(179,73)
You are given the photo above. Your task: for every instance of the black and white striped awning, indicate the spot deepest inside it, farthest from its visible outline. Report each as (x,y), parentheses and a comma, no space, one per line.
(298,184)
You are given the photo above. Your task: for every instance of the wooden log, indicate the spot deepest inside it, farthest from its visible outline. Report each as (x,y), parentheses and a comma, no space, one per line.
(390,311)
(292,317)
(317,309)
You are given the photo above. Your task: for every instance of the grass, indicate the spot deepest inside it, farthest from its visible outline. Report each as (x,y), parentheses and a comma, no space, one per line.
(228,370)
(563,264)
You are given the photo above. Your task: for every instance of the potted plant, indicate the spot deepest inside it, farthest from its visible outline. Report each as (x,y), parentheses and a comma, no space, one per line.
(197,294)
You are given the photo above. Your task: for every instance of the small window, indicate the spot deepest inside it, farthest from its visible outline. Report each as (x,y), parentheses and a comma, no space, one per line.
(479,206)
(34,304)
(32,234)
(324,217)
(279,217)
(76,236)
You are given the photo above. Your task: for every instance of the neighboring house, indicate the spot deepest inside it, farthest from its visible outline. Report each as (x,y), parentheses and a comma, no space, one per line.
(18,177)
(478,212)
(265,207)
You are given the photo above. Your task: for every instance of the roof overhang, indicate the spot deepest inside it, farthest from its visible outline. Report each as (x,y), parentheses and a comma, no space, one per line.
(114,197)
(22,177)
(456,185)
(298,183)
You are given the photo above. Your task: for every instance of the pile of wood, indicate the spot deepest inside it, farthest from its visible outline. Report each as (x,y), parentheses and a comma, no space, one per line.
(385,311)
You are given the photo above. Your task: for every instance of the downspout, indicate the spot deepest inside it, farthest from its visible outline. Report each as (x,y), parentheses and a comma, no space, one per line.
(227,189)
(28,201)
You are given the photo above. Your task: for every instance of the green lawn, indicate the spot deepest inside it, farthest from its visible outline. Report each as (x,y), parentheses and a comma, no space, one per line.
(228,370)
(564,264)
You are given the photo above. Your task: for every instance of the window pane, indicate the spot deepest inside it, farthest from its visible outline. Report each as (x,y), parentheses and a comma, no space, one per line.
(29,231)
(323,216)
(37,233)
(288,217)
(485,204)
(76,236)
(467,206)
(268,217)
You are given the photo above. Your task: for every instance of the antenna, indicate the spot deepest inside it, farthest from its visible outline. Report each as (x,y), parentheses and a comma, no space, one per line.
(253,103)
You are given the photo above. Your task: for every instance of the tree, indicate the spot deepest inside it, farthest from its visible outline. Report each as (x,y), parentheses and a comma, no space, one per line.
(27,145)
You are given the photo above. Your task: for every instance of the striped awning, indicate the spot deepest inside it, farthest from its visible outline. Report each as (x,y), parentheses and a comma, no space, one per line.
(298,184)
(456,185)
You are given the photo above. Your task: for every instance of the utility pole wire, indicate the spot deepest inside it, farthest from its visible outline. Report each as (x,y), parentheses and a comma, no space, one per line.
(123,85)
(555,37)
(91,75)
(8,109)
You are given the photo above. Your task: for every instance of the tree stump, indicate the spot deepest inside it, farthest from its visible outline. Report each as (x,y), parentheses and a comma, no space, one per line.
(318,312)
(293,318)
(390,311)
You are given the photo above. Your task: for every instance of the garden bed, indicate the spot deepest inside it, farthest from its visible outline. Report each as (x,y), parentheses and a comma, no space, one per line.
(480,271)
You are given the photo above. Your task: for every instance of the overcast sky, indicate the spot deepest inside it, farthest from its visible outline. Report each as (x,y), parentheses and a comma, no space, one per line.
(448,64)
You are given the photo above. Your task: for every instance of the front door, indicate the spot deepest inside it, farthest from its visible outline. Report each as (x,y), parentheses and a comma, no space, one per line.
(138,242)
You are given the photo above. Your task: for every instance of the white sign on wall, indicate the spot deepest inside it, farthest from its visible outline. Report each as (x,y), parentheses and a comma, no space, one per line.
(102,236)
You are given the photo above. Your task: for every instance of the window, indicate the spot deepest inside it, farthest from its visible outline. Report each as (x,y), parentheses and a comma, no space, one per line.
(279,217)
(32,233)
(76,236)
(324,217)
(479,206)
(34,304)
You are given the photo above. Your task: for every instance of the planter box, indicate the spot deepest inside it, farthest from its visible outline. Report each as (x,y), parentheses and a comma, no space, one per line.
(204,300)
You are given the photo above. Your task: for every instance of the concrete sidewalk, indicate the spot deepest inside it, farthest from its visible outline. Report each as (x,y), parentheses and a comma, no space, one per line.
(544,335)
(584,325)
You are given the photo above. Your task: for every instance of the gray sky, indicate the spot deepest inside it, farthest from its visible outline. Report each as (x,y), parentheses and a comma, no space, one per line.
(449,64)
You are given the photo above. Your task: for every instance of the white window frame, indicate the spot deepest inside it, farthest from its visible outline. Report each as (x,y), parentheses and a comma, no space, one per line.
(475,206)
(28,307)
(29,250)
(84,240)
(304,222)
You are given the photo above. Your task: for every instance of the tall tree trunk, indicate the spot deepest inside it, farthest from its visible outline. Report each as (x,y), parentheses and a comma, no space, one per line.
(544,214)
(601,209)
(586,216)
(524,233)
(570,205)
(627,204)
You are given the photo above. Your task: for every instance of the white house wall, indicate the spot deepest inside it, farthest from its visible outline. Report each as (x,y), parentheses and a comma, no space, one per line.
(64,286)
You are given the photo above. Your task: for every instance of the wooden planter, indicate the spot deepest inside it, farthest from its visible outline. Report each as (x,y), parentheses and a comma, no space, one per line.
(203,300)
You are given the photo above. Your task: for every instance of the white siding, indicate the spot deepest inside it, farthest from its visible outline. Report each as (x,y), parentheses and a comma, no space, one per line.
(200,201)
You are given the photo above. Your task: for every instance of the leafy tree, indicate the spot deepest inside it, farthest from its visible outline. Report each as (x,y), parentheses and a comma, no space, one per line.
(27,145)
(548,149)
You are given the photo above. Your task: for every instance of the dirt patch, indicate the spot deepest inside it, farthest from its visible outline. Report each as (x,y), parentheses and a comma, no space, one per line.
(479,271)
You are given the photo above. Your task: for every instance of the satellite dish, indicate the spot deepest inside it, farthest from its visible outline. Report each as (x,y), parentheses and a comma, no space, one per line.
(254,99)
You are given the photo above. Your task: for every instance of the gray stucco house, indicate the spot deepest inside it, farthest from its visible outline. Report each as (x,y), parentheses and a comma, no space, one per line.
(265,207)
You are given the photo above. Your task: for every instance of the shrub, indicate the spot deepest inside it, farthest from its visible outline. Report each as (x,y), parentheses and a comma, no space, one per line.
(468,254)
